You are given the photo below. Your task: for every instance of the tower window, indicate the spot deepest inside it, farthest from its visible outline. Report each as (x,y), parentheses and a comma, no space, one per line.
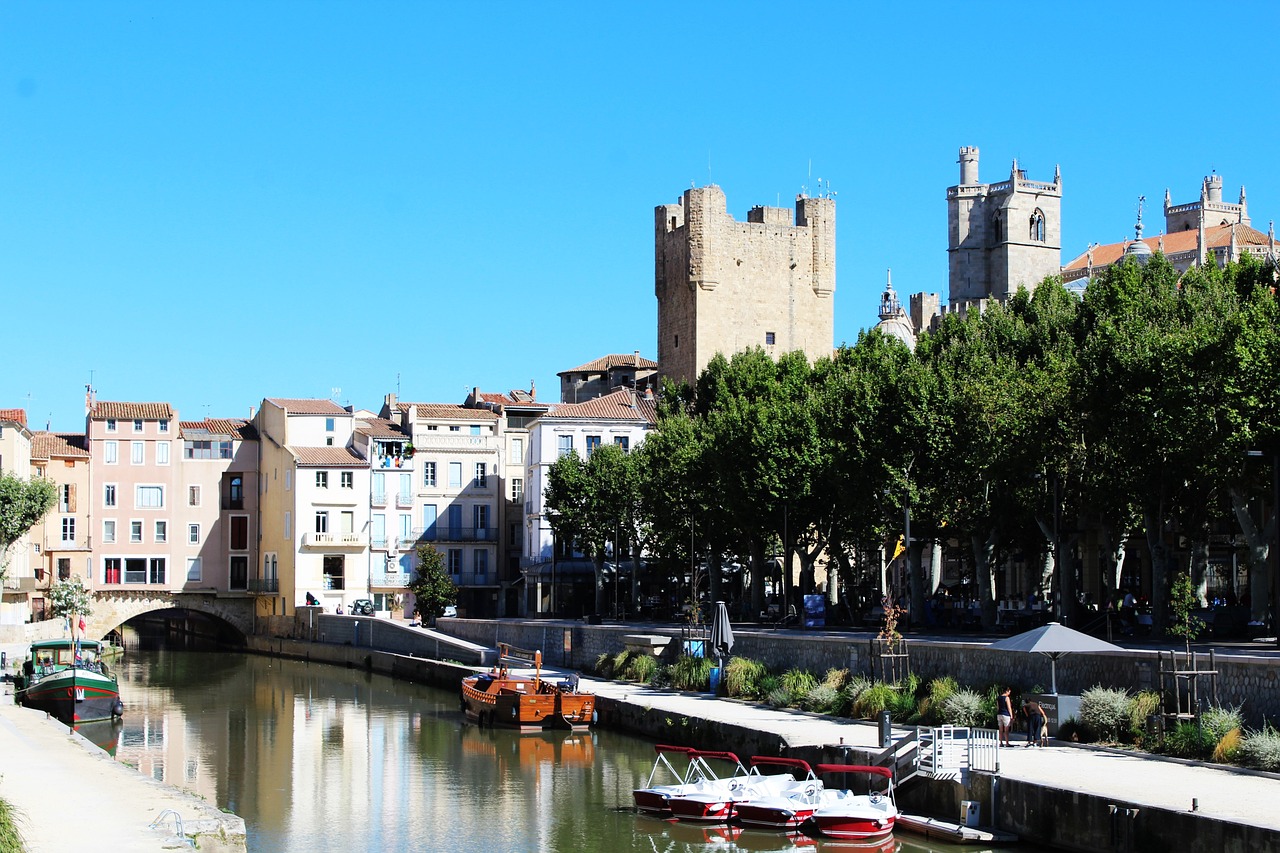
(770,338)
(677,342)
(997,233)
(1037,226)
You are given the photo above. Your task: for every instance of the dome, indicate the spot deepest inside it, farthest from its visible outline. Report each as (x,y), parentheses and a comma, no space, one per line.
(893,320)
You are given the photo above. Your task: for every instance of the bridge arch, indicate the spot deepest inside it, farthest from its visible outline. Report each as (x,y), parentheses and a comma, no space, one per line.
(113,608)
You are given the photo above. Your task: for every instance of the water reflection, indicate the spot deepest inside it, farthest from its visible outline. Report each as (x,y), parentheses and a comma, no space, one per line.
(104,734)
(324,758)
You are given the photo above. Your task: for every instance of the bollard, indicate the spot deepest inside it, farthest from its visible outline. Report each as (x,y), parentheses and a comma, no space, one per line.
(886,731)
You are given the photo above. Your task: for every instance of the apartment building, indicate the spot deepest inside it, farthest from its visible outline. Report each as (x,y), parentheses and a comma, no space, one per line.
(19,559)
(62,541)
(453,473)
(215,540)
(314,505)
(622,418)
(392,500)
(135,483)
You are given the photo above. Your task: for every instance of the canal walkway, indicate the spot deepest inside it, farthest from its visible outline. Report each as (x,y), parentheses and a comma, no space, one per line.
(1128,778)
(70,795)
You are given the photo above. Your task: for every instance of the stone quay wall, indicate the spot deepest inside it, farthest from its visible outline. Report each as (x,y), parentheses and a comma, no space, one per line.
(1251,682)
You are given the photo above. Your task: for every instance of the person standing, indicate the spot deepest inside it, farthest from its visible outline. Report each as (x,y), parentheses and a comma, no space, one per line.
(1035,722)
(1004,715)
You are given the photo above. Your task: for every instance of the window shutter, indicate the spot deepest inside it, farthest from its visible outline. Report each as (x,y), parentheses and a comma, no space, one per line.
(71,497)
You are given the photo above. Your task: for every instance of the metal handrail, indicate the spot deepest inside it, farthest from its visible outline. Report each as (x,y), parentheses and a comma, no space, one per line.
(179,832)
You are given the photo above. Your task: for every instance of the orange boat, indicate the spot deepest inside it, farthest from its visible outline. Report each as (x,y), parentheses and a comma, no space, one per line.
(499,698)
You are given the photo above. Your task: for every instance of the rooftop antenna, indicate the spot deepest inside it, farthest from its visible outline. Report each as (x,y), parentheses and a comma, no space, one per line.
(397,384)
(334,392)
(708,167)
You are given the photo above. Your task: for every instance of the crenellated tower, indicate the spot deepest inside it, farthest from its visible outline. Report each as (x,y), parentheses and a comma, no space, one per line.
(726,286)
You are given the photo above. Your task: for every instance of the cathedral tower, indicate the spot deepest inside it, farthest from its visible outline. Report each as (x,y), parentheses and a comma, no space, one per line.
(726,286)
(1001,235)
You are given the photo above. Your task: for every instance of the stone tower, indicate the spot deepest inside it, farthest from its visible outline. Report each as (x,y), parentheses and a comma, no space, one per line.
(1001,235)
(726,286)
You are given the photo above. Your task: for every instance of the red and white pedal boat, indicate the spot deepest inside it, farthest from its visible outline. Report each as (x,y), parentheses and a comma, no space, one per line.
(789,808)
(719,803)
(698,775)
(843,814)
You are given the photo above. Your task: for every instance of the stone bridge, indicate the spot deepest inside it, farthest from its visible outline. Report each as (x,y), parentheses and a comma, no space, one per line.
(112,608)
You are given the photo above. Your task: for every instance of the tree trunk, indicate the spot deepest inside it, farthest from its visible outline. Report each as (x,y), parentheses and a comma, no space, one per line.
(1259,544)
(915,584)
(1114,549)
(715,575)
(984,572)
(757,576)
(1199,559)
(1159,551)
(597,559)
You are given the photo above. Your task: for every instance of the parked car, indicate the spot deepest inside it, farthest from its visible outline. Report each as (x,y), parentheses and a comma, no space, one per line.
(451,610)
(362,607)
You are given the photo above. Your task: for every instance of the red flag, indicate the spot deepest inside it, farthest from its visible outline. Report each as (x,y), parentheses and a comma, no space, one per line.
(83,625)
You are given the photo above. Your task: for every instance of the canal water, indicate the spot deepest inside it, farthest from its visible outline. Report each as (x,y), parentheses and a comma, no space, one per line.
(322,758)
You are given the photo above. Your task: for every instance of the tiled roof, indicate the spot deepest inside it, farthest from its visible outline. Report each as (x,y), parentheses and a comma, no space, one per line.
(618,406)
(379,428)
(448,411)
(308,407)
(234,427)
(328,457)
(131,411)
(609,362)
(60,445)
(1215,237)
(17,416)
(520,399)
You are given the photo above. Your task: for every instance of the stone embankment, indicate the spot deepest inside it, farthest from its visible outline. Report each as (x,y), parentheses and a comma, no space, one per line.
(70,795)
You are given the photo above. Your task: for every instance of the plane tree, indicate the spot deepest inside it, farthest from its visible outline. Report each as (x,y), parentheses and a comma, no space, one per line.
(22,504)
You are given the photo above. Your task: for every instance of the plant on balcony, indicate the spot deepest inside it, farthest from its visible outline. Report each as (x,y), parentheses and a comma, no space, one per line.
(433,590)
(408,451)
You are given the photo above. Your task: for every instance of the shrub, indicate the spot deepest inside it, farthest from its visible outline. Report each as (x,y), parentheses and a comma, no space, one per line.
(1070,729)
(778,697)
(742,677)
(905,707)
(876,698)
(620,660)
(1105,710)
(821,699)
(798,682)
(989,704)
(849,695)
(1141,706)
(690,673)
(641,668)
(1187,740)
(662,678)
(10,836)
(1228,748)
(1261,749)
(963,708)
(769,683)
(930,708)
(604,665)
(836,678)
(1217,722)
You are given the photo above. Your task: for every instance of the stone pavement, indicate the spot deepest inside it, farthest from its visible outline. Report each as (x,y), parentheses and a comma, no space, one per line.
(1129,778)
(70,795)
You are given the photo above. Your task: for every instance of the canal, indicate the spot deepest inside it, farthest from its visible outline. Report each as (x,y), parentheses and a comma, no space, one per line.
(322,758)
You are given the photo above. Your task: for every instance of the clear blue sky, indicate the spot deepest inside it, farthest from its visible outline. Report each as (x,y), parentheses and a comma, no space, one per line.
(209,203)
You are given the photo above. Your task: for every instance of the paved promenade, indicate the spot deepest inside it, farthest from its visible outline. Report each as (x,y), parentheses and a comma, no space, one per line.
(72,796)
(1134,778)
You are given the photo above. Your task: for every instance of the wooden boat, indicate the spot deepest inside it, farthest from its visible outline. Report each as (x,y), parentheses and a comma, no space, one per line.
(855,817)
(500,698)
(69,680)
(789,808)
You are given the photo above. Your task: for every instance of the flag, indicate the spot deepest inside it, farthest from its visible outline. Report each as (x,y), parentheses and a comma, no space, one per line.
(83,625)
(899,549)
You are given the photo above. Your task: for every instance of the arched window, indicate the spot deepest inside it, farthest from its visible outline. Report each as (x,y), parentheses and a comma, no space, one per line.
(1037,226)
(997,232)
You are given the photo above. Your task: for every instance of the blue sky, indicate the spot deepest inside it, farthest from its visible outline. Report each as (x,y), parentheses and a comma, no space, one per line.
(209,203)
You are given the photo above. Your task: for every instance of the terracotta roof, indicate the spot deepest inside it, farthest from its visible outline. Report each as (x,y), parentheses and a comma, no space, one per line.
(131,411)
(520,399)
(328,457)
(17,416)
(379,428)
(448,411)
(618,406)
(1215,237)
(236,428)
(609,362)
(60,445)
(308,407)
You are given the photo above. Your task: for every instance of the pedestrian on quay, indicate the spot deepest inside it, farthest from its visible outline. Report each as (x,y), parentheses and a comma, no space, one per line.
(1036,733)
(1004,715)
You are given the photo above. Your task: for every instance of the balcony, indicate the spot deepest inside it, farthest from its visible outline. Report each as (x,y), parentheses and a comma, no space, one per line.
(378,499)
(443,533)
(392,580)
(404,501)
(264,586)
(343,541)
(474,579)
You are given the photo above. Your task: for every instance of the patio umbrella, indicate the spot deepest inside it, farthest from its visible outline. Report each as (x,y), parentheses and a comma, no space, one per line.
(721,633)
(1053,641)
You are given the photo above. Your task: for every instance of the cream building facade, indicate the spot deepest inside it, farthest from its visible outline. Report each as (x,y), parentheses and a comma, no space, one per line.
(57,549)
(20,559)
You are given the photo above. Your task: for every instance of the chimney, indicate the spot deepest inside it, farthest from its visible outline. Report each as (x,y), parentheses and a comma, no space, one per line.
(251,413)
(533,390)
(88,399)
(637,358)
(475,395)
